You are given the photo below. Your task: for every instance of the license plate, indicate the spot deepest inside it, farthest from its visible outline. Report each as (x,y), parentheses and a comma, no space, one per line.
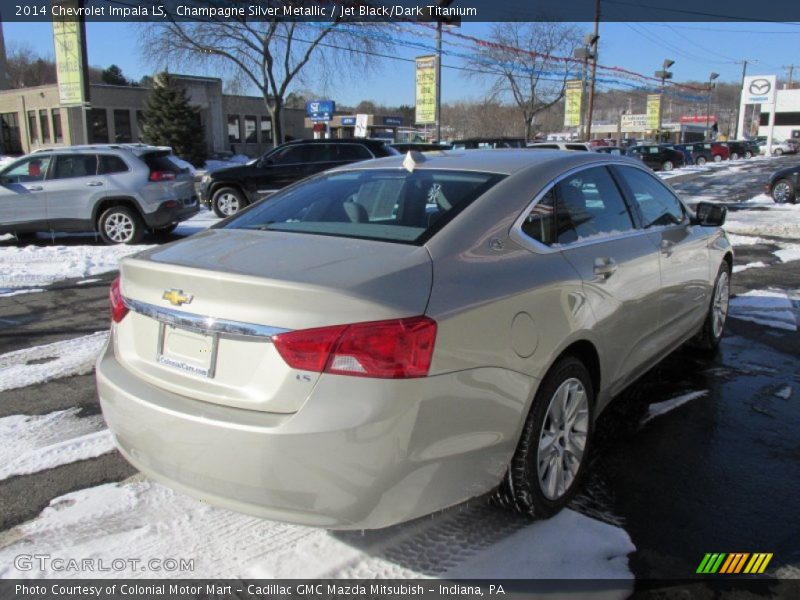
(186,350)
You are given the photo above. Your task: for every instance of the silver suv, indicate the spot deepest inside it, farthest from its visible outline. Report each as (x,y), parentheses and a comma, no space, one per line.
(117,190)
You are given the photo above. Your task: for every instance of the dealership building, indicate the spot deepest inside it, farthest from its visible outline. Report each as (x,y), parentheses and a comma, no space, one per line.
(32,117)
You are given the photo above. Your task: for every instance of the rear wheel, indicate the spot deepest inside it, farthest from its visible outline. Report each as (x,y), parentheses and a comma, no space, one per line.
(717,158)
(120,225)
(783,191)
(227,201)
(778,151)
(714,326)
(734,156)
(700,161)
(551,455)
(748,154)
(667,165)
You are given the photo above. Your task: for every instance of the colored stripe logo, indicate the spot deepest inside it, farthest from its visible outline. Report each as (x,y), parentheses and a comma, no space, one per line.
(734,563)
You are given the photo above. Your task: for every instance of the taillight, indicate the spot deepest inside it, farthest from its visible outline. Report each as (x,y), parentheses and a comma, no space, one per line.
(161,175)
(395,349)
(118,308)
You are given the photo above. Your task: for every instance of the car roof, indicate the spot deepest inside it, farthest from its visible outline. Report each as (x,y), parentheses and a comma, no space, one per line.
(503,161)
(354,140)
(137,149)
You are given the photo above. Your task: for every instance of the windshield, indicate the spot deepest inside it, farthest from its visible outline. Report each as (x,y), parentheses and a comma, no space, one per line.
(383,204)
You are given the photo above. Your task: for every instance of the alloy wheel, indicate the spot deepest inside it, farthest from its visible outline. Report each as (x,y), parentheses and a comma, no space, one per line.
(782,192)
(119,227)
(562,440)
(720,306)
(228,204)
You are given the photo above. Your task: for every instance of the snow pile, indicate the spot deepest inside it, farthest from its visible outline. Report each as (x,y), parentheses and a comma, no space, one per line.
(234,161)
(51,361)
(778,220)
(32,444)
(660,408)
(755,265)
(201,221)
(772,308)
(143,520)
(788,252)
(746,240)
(32,267)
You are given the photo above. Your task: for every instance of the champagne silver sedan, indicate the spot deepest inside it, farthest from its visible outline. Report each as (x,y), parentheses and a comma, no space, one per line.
(390,338)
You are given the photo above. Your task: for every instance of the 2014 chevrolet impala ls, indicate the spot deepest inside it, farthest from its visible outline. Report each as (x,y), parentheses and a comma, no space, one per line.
(393,337)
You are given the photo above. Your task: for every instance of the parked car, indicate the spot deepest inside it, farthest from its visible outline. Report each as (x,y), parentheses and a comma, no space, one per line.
(709,152)
(118,191)
(686,150)
(613,150)
(752,148)
(488,142)
(782,147)
(580,146)
(783,184)
(360,377)
(420,146)
(229,190)
(738,149)
(658,157)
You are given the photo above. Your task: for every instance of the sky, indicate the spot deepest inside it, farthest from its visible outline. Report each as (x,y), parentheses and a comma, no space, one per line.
(697,49)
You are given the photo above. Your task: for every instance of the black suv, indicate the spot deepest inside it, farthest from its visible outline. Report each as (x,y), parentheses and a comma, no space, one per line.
(658,157)
(229,190)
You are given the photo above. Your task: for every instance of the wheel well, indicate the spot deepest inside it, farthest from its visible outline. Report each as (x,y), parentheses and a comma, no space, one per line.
(728,258)
(223,184)
(585,351)
(109,202)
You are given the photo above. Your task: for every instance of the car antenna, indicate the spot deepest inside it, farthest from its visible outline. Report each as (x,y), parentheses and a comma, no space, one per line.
(413,157)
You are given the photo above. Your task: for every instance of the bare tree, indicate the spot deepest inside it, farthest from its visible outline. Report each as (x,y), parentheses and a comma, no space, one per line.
(535,79)
(272,56)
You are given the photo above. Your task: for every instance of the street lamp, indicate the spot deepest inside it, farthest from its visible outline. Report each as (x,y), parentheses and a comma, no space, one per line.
(663,75)
(711,86)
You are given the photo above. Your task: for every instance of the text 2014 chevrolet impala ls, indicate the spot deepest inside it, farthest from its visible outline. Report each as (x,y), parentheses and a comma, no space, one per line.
(395,336)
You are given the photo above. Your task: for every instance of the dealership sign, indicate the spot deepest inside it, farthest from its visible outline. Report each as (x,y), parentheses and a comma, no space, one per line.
(698,119)
(426,90)
(68,41)
(759,89)
(320,110)
(653,112)
(633,123)
(572,103)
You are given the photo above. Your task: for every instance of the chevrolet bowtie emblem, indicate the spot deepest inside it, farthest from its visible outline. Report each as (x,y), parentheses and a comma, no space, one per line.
(177,297)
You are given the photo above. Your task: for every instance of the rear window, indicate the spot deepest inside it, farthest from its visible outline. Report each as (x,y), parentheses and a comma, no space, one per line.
(159,161)
(386,204)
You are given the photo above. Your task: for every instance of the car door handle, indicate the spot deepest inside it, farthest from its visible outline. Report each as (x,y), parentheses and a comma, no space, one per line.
(666,247)
(604,268)
(94,183)
(34,188)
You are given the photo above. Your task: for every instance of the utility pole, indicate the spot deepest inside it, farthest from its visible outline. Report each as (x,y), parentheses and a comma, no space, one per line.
(595,39)
(740,110)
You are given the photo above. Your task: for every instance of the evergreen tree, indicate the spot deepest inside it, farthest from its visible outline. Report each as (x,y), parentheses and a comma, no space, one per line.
(113,76)
(169,120)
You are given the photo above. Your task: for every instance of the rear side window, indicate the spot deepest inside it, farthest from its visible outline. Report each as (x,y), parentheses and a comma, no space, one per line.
(289,155)
(576,147)
(657,204)
(75,165)
(349,152)
(582,206)
(111,164)
(380,204)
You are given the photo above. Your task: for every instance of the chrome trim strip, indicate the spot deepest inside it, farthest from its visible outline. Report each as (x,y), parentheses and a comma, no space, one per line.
(202,324)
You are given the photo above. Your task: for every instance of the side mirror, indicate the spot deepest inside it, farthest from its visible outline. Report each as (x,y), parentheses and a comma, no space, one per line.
(710,215)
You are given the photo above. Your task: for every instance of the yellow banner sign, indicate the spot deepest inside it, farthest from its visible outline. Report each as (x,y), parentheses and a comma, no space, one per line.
(572,103)
(69,56)
(426,90)
(653,111)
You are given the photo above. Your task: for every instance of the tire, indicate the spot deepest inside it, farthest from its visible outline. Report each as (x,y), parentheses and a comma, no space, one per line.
(748,155)
(120,225)
(714,326)
(227,201)
(525,486)
(717,158)
(783,191)
(700,161)
(162,233)
(735,156)
(778,152)
(667,165)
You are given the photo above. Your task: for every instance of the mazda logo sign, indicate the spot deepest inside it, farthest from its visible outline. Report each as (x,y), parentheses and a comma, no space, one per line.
(760,87)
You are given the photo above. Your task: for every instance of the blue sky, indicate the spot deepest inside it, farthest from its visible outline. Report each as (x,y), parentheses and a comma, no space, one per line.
(697,48)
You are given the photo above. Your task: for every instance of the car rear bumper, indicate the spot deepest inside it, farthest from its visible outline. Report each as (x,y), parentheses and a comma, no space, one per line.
(360,453)
(169,212)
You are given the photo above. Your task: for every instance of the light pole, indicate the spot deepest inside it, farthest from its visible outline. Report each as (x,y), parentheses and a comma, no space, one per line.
(711,85)
(440,4)
(585,53)
(663,75)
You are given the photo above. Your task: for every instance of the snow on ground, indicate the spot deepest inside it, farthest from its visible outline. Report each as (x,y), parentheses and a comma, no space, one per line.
(35,443)
(746,240)
(138,519)
(660,408)
(785,392)
(5,294)
(202,220)
(788,252)
(32,267)
(773,308)
(50,361)
(755,265)
(778,220)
